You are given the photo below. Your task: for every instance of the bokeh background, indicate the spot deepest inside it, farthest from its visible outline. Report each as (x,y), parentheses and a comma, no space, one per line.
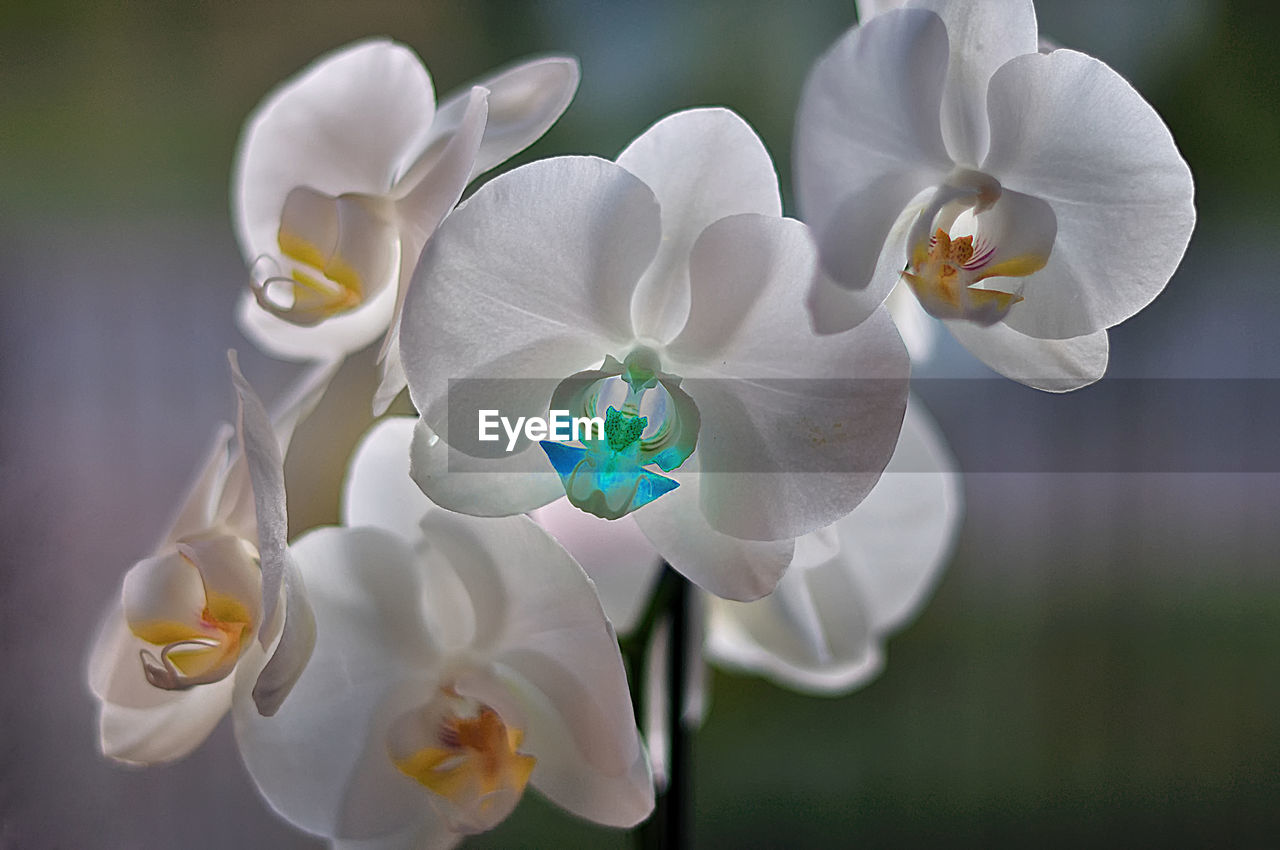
(1100,665)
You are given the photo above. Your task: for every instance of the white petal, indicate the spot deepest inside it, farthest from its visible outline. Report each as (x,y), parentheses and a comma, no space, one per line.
(795,428)
(1071,131)
(197,507)
(730,643)
(615,554)
(919,330)
(720,564)
(365,586)
(530,278)
(481,486)
(524,101)
(901,536)
(163,588)
(378,491)
(297,640)
(261,450)
(420,207)
(856,240)
(868,125)
(703,165)
(340,126)
(1055,365)
(982,35)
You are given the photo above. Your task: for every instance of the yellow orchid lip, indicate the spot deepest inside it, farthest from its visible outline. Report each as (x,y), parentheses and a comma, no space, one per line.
(469,759)
(196,605)
(943,273)
(335,253)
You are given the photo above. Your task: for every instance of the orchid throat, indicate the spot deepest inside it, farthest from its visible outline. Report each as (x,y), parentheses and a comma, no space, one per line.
(607,477)
(973,230)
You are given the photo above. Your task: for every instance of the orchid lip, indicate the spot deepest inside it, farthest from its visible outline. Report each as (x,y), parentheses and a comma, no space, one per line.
(335,253)
(466,755)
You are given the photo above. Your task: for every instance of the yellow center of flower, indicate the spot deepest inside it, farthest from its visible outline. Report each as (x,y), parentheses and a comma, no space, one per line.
(944,270)
(335,253)
(472,759)
(194,654)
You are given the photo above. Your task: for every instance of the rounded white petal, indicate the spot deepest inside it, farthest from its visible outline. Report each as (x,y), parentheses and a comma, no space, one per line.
(703,165)
(489,487)
(530,278)
(719,564)
(1072,132)
(378,491)
(342,125)
(868,118)
(614,553)
(1054,365)
(795,428)
(321,754)
(982,36)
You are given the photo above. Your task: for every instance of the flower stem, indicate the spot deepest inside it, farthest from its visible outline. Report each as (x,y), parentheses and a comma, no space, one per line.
(670,605)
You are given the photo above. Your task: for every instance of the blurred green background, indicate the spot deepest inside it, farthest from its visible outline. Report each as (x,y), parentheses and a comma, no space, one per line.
(1100,665)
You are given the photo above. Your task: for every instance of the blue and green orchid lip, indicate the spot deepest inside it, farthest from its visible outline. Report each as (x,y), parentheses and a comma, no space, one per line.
(652,423)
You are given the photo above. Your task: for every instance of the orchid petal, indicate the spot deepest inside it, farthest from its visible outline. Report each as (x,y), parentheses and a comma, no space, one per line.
(524,101)
(420,209)
(358,110)
(919,330)
(983,35)
(297,640)
(720,564)
(861,245)
(378,491)
(870,108)
(901,536)
(366,588)
(261,450)
(197,507)
(795,429)
(614,553)
(1054,365)
(703,165)
(545,258)
(487,487)
(1071,131)
(165,588)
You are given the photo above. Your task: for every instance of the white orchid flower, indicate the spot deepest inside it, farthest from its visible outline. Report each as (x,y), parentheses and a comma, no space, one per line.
(344,172)
(457,660)
(217,598)
(847,587)
(1034,199)
(662,294)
